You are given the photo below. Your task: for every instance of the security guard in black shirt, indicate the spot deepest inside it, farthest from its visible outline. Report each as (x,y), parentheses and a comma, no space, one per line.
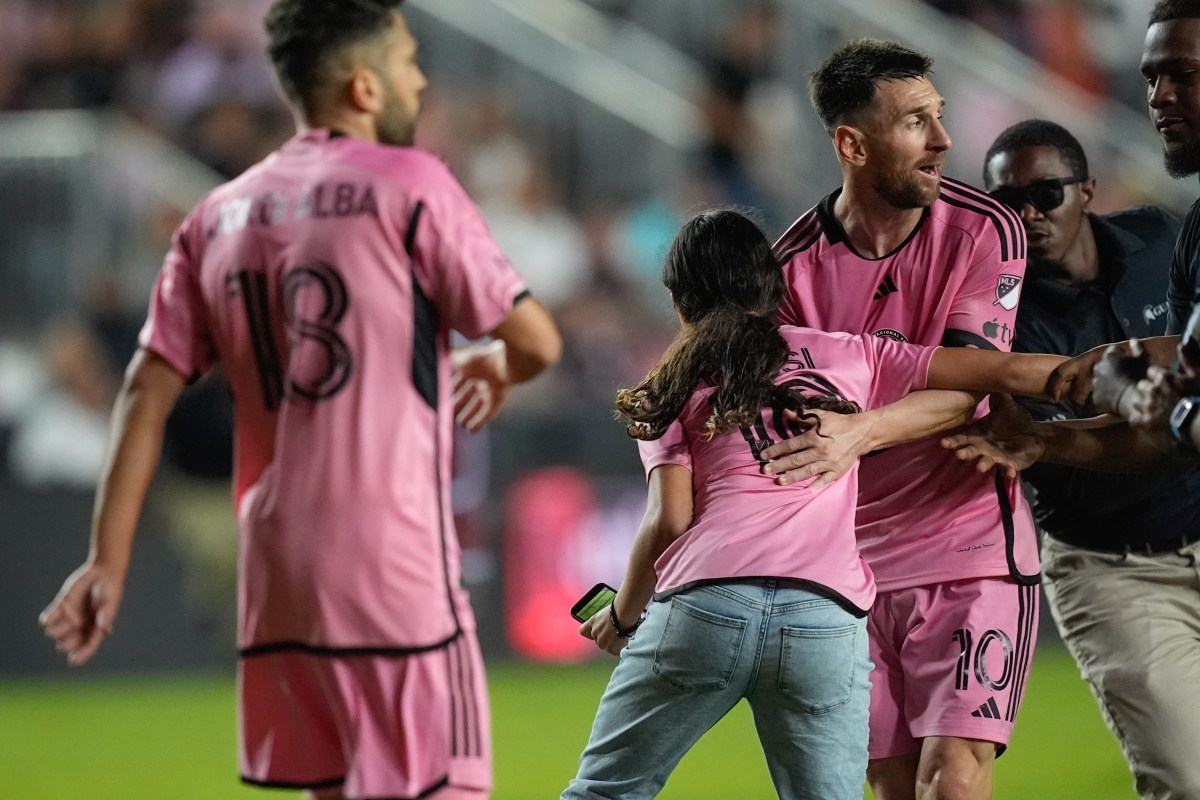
(1119,547)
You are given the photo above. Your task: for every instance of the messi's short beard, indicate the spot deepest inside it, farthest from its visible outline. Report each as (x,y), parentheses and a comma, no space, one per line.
(904,192)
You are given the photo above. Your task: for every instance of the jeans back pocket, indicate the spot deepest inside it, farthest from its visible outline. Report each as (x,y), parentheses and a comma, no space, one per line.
(698,650)
(818,666)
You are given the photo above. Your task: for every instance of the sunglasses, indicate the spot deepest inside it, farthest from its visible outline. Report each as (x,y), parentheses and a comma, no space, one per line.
(1045,195)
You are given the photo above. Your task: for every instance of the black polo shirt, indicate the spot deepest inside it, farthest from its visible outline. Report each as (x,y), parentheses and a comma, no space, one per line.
(1100,510)
(1184,288)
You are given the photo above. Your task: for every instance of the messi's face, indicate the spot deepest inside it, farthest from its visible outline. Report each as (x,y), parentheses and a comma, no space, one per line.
(906,143)
(1171,68)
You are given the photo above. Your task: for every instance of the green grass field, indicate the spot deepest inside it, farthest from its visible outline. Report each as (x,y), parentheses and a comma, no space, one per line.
(156,738)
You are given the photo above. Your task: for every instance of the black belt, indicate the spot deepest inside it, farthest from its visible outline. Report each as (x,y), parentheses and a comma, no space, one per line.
(1156,547)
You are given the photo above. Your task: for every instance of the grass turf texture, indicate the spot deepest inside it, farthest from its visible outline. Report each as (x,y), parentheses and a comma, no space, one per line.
(174,737)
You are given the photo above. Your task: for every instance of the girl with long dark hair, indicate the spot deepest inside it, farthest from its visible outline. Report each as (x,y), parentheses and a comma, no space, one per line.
(758,590)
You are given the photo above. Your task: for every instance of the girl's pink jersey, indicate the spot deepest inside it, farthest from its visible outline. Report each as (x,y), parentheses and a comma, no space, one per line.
(326,281)
(923,515)
(747,526)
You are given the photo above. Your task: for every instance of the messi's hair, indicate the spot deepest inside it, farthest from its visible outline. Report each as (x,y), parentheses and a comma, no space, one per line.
(727,285)
(1039,133)
(845,83)
(1167,10)
(304,35)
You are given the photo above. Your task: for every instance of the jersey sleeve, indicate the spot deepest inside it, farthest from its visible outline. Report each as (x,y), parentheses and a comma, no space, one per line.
(983,312)
(897,368)
(456,260)
(176,326)
(1181,287)
(670,448)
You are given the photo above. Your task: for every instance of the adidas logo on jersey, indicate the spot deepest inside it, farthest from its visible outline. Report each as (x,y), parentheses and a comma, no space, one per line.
(988,710)
(887,287)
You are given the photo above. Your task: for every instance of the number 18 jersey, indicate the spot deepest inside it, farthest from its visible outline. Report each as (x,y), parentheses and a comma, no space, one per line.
(325,281)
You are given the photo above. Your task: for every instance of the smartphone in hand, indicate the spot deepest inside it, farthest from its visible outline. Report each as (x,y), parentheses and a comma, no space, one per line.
(594,600)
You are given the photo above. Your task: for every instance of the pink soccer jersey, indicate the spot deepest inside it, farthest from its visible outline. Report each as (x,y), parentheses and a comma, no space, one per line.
(924,516)
(747,526)
(326,281)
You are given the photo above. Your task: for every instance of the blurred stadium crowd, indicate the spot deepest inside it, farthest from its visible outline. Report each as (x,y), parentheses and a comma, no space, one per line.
(194,72)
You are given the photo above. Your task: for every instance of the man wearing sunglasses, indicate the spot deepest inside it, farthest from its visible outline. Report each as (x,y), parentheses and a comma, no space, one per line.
(1109,563)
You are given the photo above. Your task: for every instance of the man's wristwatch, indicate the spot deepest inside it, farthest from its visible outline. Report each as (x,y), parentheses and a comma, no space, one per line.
(1182,417)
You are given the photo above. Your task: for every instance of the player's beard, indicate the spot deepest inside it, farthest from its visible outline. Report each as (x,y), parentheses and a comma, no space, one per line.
(903,190)
(395,125)
(1183,159)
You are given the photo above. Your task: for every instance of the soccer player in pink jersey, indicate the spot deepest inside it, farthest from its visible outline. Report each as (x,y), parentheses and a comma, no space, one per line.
(759,590)
(901,252)
(326,281)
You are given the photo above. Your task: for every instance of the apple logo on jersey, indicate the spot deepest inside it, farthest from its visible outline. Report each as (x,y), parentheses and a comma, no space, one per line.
(997,330)
(1008,292)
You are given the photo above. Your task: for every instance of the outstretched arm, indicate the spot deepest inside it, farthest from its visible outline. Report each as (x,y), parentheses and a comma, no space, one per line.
(830,451)
(83,613)
(972,370)
(1010,440)
(1072,380)
(668,515)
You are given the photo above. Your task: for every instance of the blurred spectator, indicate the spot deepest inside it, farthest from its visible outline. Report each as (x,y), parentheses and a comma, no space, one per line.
(1004,19)
(59,439)
(222,59)
(1059,40)
(753,116)
(519,199)
(230,136)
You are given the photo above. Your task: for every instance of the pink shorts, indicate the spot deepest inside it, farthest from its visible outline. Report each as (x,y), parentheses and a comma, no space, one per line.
(404,726)
(951,659)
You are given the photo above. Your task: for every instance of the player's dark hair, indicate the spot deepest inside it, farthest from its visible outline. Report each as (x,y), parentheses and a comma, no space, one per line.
(1039,133)
(304,34)
(727,285)
(845,83)
(1167,10)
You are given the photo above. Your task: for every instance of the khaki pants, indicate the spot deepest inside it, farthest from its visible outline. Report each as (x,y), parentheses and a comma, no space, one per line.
(1132,623)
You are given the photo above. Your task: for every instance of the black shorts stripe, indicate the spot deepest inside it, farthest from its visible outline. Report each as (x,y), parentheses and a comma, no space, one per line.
(474,728)
(1008,225)
(466,737)
(451,670)
(1027,599)
(348,652)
